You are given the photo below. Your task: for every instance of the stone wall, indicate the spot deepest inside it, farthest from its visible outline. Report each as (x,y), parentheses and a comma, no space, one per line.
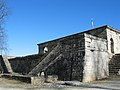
(52,56)
(70,67)
(70,42)
(98,32)
(50,45)
(24,65)
(96,59)
(115,35)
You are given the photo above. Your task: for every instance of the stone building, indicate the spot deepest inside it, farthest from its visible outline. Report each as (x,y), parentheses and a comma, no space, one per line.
(85,56)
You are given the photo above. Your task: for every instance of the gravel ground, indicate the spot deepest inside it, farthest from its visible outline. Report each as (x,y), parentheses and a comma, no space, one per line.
(6,83)
(110,84)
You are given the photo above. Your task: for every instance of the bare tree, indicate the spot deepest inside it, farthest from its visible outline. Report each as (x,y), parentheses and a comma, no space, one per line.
(3,14)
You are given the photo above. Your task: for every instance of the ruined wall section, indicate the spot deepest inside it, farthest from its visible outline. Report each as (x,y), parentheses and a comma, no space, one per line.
(96,59)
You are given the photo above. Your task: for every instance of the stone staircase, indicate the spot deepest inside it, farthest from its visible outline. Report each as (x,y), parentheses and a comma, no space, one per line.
(114,65)
(54,61)
(51,58)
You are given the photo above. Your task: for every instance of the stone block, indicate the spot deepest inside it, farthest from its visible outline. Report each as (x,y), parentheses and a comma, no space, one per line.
(37,80)
(52,78)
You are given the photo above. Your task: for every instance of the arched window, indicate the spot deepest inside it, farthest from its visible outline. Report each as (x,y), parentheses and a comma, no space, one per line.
(45,50)
(112,45)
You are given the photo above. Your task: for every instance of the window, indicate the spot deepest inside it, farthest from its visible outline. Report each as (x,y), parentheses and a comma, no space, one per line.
(112,45)
(45,50)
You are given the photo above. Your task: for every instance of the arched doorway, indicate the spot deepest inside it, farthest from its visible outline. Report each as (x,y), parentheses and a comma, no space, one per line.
(112,45)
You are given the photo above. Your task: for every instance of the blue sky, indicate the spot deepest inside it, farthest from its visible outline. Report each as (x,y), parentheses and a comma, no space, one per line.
(35,21)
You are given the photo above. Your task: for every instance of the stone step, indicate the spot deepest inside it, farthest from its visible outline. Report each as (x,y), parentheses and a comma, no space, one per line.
(114,68)
(114,71)
(114,65)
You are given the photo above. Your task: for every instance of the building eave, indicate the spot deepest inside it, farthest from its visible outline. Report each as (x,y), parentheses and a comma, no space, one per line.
(105,26)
